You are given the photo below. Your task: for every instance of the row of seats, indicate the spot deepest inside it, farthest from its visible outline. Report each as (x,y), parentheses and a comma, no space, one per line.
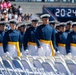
(38,65)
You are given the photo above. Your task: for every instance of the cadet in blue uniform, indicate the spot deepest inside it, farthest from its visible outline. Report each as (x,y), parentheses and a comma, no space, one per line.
(53,24)
(2,32)
(71,41)
(22,31)
(46,37)
(61,37)
(30,42)
(68,26)
(12,43)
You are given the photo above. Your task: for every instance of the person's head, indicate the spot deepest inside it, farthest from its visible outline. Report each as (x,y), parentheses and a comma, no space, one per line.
(62,27)
(27,18)
(2,26)
(6,0)
(45,18)
(5,12)
(74,26)
(13,25)
(57,27)
(69,25)
(19,6)
(23,28)
(52,23)
(34,22)
(29,25)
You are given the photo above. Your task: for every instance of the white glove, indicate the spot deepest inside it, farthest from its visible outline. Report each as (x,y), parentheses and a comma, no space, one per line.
(7,54)
(69,54)
(26,52)
(58,53)
(20,54)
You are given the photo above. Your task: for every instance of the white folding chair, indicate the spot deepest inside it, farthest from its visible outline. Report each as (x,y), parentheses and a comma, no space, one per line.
(3,70)
(27,66)
(10,68)
(30,59)
(74,58)
(62,68)
(49,67)
(71,65)
(37,63)
(49,60)
(18,65)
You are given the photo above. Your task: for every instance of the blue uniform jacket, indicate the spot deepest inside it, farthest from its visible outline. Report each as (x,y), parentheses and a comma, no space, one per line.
(22,36)
(61,37)
(70,39)
(46,32)
(1,36)
(12,36)
(30,36)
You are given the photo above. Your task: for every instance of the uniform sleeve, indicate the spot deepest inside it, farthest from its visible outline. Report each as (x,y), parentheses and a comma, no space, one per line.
(38,37)
(54,40)
(20,42)
(57,38)
(25,39)
(5,42)
(68,43)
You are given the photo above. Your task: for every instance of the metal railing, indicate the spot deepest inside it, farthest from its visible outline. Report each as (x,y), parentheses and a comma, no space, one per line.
(53,1)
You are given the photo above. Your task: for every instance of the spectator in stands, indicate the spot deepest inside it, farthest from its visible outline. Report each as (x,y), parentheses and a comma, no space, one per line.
(24,16)
(27,19)
(14,9)
(10,15)
(19,18)
(16,16)
(19,10)
(6,16)
(10,10)
(1,6)
(31,17)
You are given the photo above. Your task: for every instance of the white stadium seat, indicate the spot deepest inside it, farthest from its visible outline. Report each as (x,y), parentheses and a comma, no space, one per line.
(49,67)
(37,63)
(9,67)
(71,65)
(62,68)
(17,64)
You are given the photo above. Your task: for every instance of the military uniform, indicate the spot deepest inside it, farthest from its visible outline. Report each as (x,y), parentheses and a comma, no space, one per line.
(1,40)
(69,23)
(22,35)
(61,37)
(30,41)
(12,42)
(61,42)
(71,42)
(46,39)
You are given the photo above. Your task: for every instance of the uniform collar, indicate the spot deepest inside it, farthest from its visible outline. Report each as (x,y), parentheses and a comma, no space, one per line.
(45,24)
(74,31)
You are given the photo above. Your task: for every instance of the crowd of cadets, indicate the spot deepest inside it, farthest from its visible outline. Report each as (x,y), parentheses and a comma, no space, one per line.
(47,39)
